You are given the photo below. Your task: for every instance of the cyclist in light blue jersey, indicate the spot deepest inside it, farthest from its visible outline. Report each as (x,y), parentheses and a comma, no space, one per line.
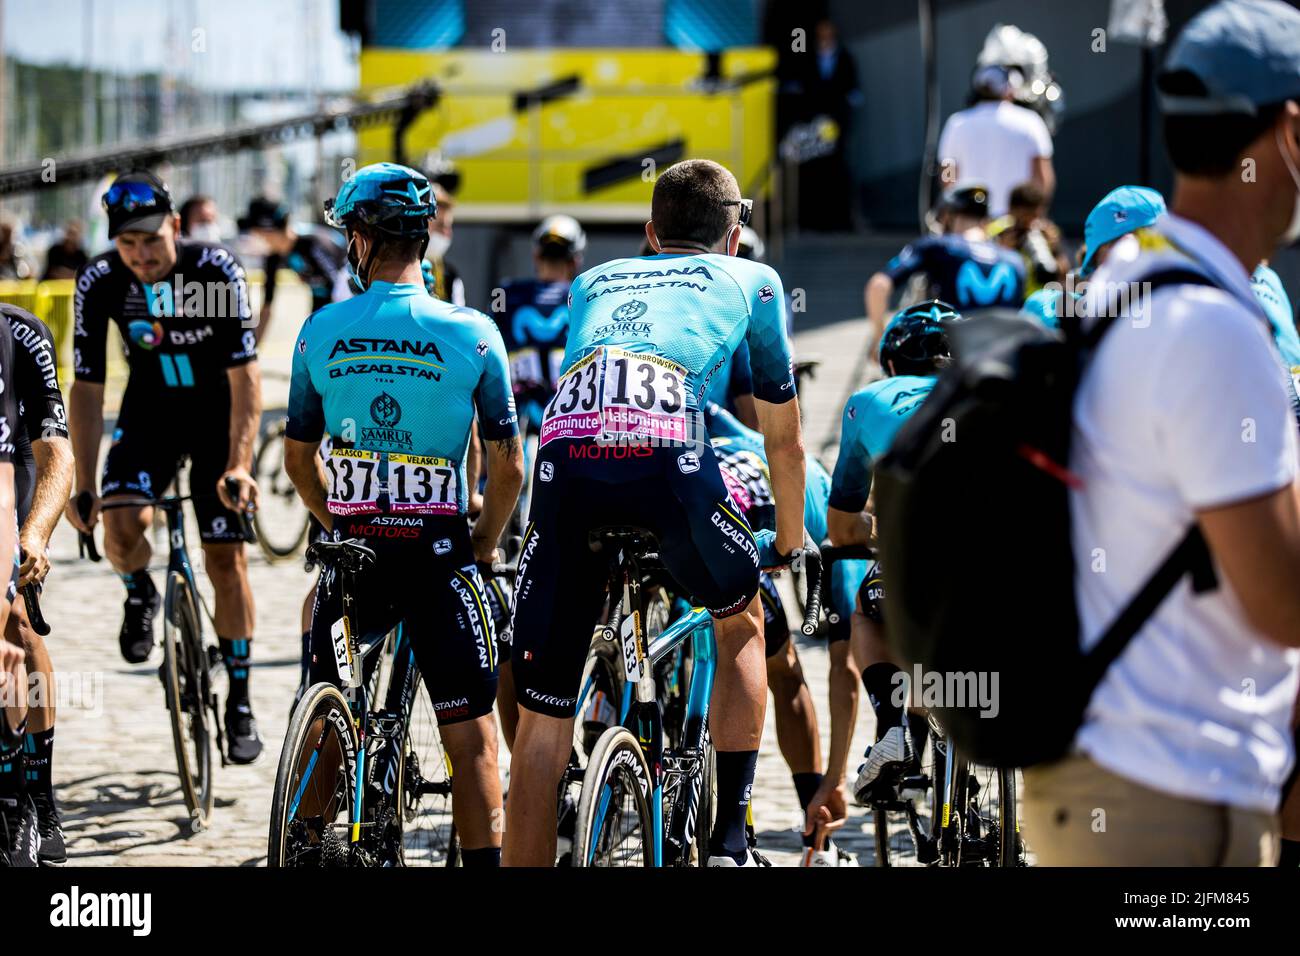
(914,347)
(623,443)
(741,456)
(1121,211)
(396,377)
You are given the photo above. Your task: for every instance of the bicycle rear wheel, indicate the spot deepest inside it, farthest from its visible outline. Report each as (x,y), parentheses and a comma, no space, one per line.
(313,798)
(281,519)
(614,827)
(990,819)
(188,687)
(428,834)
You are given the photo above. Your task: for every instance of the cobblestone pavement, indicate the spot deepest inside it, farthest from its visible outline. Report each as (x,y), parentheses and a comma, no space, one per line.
(114,764)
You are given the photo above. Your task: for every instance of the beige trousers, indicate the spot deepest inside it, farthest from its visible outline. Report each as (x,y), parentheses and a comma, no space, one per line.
(1078,814)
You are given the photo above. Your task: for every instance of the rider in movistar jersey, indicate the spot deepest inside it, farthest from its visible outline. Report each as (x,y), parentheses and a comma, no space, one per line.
(915,345)
(962,266)
(396,376)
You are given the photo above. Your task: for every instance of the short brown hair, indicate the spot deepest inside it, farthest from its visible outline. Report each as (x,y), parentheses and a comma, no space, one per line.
(688,202)
(1027,195)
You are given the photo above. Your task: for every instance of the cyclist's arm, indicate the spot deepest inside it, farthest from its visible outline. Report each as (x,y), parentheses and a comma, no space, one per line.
(499,426)
(746,410)
(303,466)
(740,388)
(880,288)
(86,427)
(54,468)
(783,446)
(473,462)
(846,521)
(8,529)
(8,426)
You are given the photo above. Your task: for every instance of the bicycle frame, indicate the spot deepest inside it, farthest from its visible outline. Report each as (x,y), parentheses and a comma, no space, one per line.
(642,713)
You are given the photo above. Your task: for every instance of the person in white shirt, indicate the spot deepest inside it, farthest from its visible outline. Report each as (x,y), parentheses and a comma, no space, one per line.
(997,141)
(1183,418)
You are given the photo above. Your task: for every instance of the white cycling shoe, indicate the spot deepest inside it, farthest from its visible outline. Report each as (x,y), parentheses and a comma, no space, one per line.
(888,752)
(752,858)
(831,856)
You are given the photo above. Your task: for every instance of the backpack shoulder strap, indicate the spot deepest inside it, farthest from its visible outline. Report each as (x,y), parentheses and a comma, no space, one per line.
(1177,275)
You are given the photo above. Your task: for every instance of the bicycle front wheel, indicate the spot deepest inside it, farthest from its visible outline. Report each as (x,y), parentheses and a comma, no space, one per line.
(313,799)
(614,827)
(187,687)
(281,519)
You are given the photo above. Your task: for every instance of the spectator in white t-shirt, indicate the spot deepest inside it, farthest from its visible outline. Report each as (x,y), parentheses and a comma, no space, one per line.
(1183,419)
(997,142)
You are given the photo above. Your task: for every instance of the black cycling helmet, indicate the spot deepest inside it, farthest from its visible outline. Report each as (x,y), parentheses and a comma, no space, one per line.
(916,339)
(559,237)
(264,213)
(966,199)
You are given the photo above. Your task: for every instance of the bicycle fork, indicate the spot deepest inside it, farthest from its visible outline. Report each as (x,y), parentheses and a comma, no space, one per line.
(647,720)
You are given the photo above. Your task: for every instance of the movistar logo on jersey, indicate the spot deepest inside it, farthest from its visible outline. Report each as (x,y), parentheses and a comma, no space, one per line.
(385,347)
(976,288)
(529,325)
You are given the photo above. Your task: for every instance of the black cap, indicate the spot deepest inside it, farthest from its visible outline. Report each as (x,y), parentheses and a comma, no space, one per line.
(137,201)
(967,199)
(263,213)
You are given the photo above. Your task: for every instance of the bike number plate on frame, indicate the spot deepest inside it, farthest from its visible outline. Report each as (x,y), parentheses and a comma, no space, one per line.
(424,484)
(354,485)
(631,663)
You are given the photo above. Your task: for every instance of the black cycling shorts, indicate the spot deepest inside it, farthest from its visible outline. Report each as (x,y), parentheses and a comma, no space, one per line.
(424,578)
(579,486)
(871,594)
(148,450)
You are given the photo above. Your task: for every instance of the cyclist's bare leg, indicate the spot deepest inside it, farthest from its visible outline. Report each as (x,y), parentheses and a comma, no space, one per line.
(475,781)
(507,706)
(537,761)
(227,568)
(18,631)
(126,538)
(740,688)
(796,720)
(13,687)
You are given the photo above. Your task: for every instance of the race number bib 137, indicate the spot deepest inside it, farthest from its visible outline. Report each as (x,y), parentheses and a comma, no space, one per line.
(644,396)
(353,481)
(574,409)
(419,483)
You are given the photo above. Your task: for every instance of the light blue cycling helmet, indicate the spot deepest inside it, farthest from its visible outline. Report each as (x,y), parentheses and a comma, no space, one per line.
(390,198)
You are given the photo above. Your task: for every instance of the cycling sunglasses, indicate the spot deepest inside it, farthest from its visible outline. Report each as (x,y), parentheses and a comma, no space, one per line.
(746,208)
(128,196)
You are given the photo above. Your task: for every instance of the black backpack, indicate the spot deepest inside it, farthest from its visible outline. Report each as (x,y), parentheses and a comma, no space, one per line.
(974,524)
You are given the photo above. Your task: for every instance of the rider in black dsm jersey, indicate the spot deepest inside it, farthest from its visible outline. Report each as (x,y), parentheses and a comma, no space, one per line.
(42,480)
(317,261)
(194,390)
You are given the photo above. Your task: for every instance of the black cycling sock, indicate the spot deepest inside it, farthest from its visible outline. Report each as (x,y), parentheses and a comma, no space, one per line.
(919,726)
(806,784)
(488,856)
(881,687)
(139,584)
(236,653)
(11,766)
(1290,856)
(38,756)
(735,781)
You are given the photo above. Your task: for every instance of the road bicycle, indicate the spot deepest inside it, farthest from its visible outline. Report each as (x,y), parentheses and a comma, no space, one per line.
(643,803)
(188,658)
(957,812)
(363,779)
(282,521)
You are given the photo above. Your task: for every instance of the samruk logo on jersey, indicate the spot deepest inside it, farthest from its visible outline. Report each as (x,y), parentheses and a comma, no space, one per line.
(386,413)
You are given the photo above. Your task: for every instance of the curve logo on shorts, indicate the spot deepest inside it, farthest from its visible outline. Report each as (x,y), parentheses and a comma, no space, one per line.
(547,471)
(385,410)
(442,546)
(145,334)
(629,311)
(689,463)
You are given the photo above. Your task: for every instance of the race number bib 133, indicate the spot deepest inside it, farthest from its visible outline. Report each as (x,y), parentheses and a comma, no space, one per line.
(644,396)
(353,481)
(419,483)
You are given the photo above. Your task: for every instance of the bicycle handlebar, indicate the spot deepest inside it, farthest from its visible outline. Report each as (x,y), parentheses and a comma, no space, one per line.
(811,557)
(245,523)
(31,599)
(832,554)
(86,540)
